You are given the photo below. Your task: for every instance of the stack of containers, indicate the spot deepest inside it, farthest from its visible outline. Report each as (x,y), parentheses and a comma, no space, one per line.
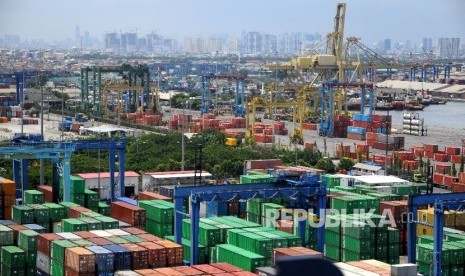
(156,254)
(91,199)
(128,213)
(174,252)
(359,127)
(270,213)
(104,260)
(23,214)
(9,197)
(209,235)
(79,261)
(43,262)
(57,254)
(341,123)
(56,212)
(139,256)
(104,209)
(41,216)
(27,241)
(13,261)
(239,257)
(78,186)
(186,246)
(159,217)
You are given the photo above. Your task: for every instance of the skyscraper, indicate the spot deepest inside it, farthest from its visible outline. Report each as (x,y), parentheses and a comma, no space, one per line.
(77,33)
(427,45)
(387,44)
(444,47)
(455,47)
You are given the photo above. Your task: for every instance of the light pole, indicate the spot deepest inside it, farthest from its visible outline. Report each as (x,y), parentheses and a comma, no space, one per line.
(48,108)
(41,83)
(387,142)
(182,137)
(63,111)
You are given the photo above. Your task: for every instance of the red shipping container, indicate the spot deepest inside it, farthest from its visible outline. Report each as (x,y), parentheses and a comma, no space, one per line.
(169,271)
(44,241)
(410,164)
(128,213)
(150,237)
(47,191)
(16,228)
(361,124)
(227,267)
(72,272)
(428,154)
(431,148)
(462,177)
(442,168)
(174,252)
(100,241)
(134,231)
(75,212)
(438,178)
(243,273)
(85,234)
(188,270)
(440,157)
(80,259)
(146,195)
(452,150)
(450,180)
(309,145)
(208,269)
(156,254)
(139,256)
(458,187)
(455,158)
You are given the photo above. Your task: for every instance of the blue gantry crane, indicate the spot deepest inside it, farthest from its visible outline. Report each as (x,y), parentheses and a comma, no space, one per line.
(305,188)
(116,148)
(239,107)
(441,202)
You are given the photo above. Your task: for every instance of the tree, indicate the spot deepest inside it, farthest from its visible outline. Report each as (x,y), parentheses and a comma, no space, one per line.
(326,164)
(345,164)
(359,156)
(325,152)
(453,169)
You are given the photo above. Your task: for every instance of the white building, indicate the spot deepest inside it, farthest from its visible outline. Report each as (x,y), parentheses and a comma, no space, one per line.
(151,181)
(95,180)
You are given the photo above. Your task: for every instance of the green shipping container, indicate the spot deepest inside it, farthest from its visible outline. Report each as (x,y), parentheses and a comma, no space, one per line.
(23,214)
(31,257)
(393,235)
(333,252)
(356,229)
(57,268)
(41,213)
(223,228)
(66,205)
(356,245)
(186,245)
(12,271)
(292,240)
(83,243)
(6,236)
(104,209)
(79,199)
(252,242)
(91,199)
(159,229)
(158,210)
(239,257)
(73,225)
(133,238)
(57,250)
(33,197)
(425,254)
(78,185)
(350,256)
(108,223)
(57,211)
(92,224)
(209,235)
(27,239)
(332,238)
(13,256)
(278,241)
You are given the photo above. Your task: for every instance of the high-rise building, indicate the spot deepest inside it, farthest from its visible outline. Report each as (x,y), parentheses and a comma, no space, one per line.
(455,47)
(253,42)
(270,44)
(112,42)
(129,42)
(427,45)
(444,49)
(77,33)
(11,41)
(387,44)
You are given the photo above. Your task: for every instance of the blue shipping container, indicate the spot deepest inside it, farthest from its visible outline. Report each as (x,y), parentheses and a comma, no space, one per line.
(217,208)
(35,227)
(122,255)
(127,200)
(104,258)
(356,130)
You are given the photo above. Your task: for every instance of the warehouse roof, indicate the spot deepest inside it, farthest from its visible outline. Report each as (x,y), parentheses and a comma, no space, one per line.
(367,167)
(379,179)
(180,174)
(106,175)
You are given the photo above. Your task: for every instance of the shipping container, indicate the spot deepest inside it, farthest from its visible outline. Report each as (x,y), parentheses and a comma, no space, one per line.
(80,259)
(104,259)
(122,255)
(58,247)
(44,241)
(27,240)
(128,213)
(6,236)
(33,197)
(239,257)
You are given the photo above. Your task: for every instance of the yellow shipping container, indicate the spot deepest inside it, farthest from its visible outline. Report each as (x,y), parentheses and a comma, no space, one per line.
(460,219)
(424,230)
(427,217)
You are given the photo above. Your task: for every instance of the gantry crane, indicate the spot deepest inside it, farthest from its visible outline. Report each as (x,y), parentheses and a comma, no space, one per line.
(257,102)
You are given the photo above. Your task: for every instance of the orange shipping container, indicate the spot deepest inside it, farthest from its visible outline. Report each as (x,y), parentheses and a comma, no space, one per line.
(8,186)
(80,259)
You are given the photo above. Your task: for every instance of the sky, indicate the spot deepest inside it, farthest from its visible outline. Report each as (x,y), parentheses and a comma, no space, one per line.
(370,20)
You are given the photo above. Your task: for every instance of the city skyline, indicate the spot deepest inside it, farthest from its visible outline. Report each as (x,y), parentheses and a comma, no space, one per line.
(180,18)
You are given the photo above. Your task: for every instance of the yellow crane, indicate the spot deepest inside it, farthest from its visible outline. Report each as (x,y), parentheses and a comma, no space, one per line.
(258,102)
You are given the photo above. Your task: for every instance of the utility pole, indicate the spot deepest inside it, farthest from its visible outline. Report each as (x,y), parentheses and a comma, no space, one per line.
(182,137)
(41,83)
